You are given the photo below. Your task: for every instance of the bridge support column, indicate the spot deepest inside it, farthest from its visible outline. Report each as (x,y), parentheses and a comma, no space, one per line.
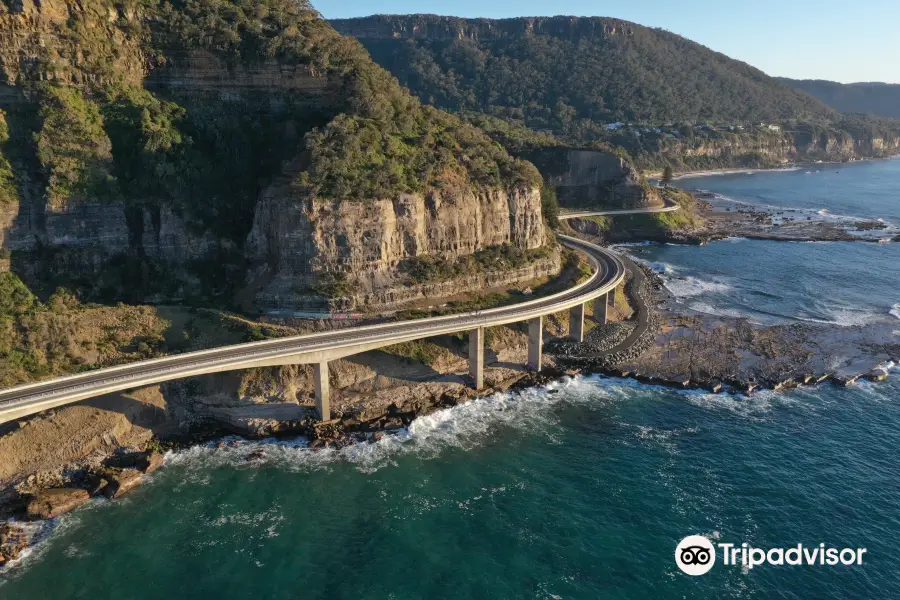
(601,309)
(323,390)
(476,356)
(612,296)
(535,342)
(576,323)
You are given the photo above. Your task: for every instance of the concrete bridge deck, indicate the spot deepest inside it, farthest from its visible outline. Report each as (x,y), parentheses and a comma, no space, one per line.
(320,348)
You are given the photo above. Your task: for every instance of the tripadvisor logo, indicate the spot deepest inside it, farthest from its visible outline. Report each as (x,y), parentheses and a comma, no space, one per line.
(696,555)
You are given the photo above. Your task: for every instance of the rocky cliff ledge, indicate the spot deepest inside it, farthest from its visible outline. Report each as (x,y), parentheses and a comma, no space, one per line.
(436,27)
(296,243)
(166,151)
(757,150)
(594,179)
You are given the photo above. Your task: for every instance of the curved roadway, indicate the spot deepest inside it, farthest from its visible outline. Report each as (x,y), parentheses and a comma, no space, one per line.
(24,400)
(668,206)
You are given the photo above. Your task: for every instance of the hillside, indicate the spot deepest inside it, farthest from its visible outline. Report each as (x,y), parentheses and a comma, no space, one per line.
(880,99)
(211,150)
(665,99)
(555,71)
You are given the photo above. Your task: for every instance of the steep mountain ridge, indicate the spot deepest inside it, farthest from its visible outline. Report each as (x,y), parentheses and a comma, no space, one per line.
(879,99)
(663,98)
(558,69)
(143,133)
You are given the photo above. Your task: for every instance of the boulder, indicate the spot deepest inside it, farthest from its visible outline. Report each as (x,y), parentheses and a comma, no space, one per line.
(877,374)
(149,462)
(13,540)
(121,481)
(49,504)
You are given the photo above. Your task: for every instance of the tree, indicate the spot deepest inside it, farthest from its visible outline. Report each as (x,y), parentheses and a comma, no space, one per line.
(550,205)
(667,176)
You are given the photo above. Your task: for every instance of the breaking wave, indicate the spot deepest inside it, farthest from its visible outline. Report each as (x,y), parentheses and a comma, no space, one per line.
(688,286)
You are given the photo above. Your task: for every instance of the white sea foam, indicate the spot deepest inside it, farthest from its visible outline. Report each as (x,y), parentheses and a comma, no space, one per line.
(895,310)
(686,287)
(718,311)
(464,426)
(658,267)
(713,173)
(846,317)
(634,244)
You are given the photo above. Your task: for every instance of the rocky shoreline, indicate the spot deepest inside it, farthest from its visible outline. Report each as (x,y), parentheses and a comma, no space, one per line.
(662,344)
(687,350)
(725,218)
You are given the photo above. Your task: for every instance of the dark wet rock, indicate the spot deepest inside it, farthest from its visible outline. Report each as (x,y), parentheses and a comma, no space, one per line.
(263,420)
(149,462)
(13,540)
(846,380)
(121,481)
(785,384)
(258,454)
(51,503)
(878,374)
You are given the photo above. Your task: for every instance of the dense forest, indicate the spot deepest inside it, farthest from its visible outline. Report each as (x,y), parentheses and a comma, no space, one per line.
(581,78)
(121,134)
(196,107)
(556,72)
(880,99)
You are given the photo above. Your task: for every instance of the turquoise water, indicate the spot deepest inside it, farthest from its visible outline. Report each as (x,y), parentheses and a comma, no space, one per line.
(580,494)
(846,283)
(578,490)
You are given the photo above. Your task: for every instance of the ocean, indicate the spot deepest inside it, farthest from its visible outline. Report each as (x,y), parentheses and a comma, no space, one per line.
(580,489)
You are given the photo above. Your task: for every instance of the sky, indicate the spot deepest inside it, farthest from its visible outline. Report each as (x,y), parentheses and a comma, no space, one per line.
(803,39)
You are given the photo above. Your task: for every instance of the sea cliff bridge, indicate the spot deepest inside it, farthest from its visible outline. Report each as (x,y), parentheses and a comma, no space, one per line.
(318,349)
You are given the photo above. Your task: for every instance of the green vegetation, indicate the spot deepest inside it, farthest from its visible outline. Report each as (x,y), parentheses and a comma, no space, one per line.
(15,297)
(9,194)
(62,335)
(880,99)
(585,79)
(550,206)
(426,268)
(108,118)
(570,74)
(667,175)
(73,147)
(333,285)
(424,351)
(654,224)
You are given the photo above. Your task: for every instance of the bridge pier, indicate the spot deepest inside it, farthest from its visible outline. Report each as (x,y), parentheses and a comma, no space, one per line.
(612,296)
(535,342)
(576,323)
(323,390)
(601,313)
(476,356)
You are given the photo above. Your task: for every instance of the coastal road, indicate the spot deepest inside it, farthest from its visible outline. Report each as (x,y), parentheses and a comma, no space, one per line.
(668,206)
(315,348)
(319,348)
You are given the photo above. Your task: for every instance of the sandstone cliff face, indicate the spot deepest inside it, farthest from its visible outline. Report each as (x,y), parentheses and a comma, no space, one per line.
(765,150)
(93,47)
(35,44)
(295,241)
(452,28)
(594,179)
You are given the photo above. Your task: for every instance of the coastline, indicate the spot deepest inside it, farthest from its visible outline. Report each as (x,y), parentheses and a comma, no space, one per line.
(786,167)
(635,349)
